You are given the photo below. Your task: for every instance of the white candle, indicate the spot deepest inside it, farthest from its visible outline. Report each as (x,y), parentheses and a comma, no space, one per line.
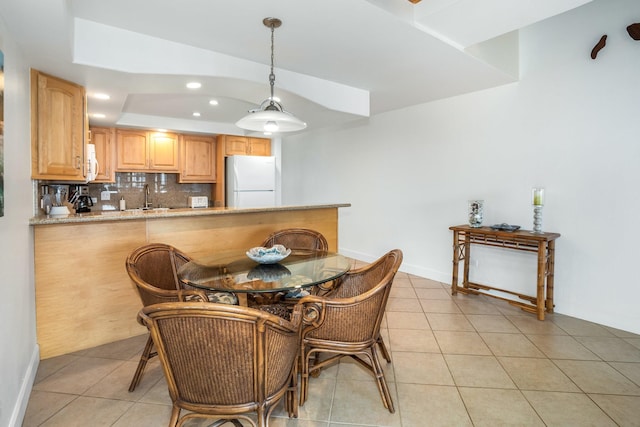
(538,196)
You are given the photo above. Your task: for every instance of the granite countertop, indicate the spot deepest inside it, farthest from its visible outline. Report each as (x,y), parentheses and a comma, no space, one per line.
(132,214)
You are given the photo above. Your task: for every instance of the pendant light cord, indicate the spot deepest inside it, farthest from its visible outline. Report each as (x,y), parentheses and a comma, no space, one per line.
(272,76)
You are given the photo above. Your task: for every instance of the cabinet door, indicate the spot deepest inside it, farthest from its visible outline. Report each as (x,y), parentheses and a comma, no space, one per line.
(163,151)
(235,145)
(102,139)
(57,128)
(197,159)
(131,150)
(259,147)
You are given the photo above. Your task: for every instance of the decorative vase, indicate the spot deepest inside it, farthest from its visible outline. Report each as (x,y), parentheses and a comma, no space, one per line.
(476,213)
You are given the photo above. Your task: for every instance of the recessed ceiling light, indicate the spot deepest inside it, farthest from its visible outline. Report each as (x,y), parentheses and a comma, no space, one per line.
(161,130)
(196,114)
(101,96)
(194,85)
(98,116)
(213,102)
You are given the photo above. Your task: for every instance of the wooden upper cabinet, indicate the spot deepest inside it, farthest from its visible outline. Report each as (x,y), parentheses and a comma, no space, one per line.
(103,139)
(58,132)
(232,145)
(197,159)
(142,151)
(132,150)
(163,151)
(259,147)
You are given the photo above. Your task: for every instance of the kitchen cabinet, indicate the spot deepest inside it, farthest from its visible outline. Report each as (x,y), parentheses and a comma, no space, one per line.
(231,145)
(197,159)
(103,139)
(163,151)
(58,128)
(142,151)
(243,145)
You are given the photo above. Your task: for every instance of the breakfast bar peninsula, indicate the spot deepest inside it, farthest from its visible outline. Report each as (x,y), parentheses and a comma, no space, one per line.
(84,297)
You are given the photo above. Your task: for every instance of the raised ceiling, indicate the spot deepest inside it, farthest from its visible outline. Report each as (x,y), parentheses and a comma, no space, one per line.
(336,61)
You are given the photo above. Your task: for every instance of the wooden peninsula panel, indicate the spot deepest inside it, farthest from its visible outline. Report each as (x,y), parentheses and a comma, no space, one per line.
(84,297)
(203,235)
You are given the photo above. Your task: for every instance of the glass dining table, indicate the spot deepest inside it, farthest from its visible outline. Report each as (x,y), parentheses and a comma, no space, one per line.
(235,272)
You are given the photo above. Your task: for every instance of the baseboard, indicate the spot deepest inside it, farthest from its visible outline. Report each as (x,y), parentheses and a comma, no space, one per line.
(438,276)
(20,407)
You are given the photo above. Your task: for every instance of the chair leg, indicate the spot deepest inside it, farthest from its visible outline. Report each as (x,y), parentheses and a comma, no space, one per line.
(382,382)
(262,416)
(175,416)
(146,355)
(304,375)
(383,349)
(291,397)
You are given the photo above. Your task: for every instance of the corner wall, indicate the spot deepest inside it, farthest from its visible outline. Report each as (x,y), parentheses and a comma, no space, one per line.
(18,352)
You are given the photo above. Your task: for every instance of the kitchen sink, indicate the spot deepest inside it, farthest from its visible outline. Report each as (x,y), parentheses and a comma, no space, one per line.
(156,209)
(147,210)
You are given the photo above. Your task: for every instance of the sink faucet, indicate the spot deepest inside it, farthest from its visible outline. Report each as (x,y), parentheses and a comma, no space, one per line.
(147,205)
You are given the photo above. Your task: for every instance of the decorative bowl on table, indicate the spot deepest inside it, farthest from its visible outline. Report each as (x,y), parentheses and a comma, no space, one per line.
(269,272)
(505,227)
(271,255)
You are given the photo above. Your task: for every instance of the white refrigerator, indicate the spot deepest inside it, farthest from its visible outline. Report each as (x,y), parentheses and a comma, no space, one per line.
(250,181)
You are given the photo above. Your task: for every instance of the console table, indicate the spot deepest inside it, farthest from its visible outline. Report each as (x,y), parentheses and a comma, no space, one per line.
(543,244)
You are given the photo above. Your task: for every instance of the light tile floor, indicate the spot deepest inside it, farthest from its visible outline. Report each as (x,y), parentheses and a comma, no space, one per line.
(457,361)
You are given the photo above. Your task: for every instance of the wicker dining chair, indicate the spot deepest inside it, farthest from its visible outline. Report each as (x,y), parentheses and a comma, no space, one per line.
(153,270)
(300,239)
(225,362)
(297,238)
(347,323)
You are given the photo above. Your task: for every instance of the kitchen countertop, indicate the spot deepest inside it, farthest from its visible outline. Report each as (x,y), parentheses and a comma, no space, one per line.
(131,214)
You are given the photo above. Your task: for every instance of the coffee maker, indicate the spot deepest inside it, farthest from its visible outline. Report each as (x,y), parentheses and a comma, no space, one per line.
(81,199)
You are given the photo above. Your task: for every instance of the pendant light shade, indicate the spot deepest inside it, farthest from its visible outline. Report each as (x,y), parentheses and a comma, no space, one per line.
(271,117)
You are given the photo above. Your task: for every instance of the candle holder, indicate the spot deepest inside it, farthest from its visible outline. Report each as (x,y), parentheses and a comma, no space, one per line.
(537,200)
(537,220)
(476,213)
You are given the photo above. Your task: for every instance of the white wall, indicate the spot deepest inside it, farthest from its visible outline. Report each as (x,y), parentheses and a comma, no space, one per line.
(18,350)
(571,124)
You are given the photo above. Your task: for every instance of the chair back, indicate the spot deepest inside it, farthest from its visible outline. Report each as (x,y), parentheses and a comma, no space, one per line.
(353,311)
(153,269)
(298,238)
(220,359)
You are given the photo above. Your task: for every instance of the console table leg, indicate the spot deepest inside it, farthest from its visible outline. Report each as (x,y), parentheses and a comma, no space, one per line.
(542,274)
(456,261)
(466,256)
(551,255)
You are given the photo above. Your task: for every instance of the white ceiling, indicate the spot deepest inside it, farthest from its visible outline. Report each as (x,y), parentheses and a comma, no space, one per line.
(336,60)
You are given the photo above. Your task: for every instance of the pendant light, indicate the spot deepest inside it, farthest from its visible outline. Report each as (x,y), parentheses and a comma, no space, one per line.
(271,117)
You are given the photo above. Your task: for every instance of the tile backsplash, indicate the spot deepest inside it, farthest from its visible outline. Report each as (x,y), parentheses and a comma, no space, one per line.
(164,191)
